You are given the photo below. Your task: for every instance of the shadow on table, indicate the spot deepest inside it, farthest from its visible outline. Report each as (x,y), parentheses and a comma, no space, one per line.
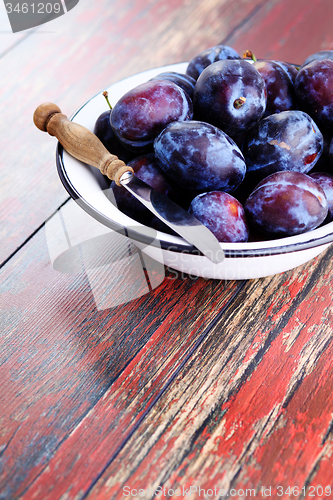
(117,270)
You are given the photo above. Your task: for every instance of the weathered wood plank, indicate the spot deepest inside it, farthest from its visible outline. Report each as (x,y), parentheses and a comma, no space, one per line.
(251,407)
(60,353)
(289,31)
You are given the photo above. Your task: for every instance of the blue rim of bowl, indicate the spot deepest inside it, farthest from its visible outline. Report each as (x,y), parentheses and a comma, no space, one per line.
(178,247)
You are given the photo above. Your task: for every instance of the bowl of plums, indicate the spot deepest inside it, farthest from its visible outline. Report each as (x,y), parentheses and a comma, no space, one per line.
(242,144)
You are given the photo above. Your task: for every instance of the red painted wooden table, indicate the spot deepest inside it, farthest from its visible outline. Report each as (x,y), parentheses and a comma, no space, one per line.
(197,388)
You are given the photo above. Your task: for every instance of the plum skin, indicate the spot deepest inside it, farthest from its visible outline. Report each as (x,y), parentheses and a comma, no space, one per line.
(289,140)
(222,214)
(325,180)
(280,89)
(290,69)
(199,157)
(218,92)
(104,132)
(140,115)
(285,204)
(322,54)
(208,56)
(313,86)
(184,81)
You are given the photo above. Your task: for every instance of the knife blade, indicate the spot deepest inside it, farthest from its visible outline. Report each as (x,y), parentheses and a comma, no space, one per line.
(83,145)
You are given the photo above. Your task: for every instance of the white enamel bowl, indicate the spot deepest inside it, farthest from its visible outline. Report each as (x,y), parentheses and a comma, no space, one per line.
(242,260)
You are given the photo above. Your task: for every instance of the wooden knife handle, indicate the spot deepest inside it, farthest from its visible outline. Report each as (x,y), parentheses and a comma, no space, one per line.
(79,141)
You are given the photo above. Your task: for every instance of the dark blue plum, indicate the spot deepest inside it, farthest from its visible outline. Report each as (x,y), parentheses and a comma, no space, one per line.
(230,95)
(286,203)
(290,69)
(325,162)
(140,115)
(208,56)
(104,132)
(280,89)
(222,214)
(289,140)
(313,86)
(318,56)
(185,82)
(146,169)
(199,157)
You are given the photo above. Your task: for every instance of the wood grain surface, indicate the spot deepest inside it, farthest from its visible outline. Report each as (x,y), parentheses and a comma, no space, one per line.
(68,353)
(247,412)
(184,382)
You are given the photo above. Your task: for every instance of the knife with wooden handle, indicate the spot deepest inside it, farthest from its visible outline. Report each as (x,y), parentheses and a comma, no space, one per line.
(86,147)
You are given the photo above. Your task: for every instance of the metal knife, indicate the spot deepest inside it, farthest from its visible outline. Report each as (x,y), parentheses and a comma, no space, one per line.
(86,147)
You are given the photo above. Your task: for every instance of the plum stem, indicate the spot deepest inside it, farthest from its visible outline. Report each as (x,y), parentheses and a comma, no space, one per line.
(249,54)
(238,103)
(106,95)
